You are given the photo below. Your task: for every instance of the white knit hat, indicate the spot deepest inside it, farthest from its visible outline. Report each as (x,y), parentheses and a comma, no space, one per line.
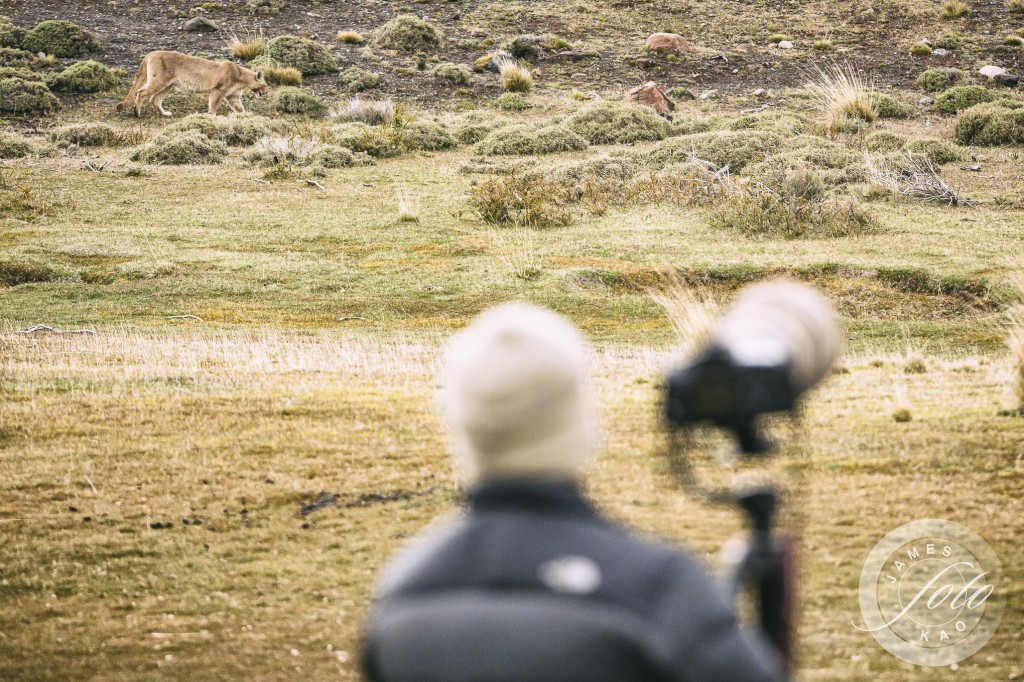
(516,398)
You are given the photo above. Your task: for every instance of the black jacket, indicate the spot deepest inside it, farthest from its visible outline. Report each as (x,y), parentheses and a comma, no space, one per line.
(535,586)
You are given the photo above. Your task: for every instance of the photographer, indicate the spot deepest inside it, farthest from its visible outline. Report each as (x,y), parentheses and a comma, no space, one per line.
(532,584)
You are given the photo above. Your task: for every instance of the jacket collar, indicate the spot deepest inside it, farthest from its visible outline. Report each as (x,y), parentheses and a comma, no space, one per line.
(541,497)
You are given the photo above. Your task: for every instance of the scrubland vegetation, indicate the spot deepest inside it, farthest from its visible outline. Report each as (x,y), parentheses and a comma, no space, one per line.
(205,487)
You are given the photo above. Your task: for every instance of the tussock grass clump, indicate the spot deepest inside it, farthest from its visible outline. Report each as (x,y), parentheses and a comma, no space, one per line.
(189,147)
(409,34)
(939,152)
(515,78)
(733,148)
(954,9)
(841,93)
(13,146)
(429,136)
(453,73)
(86,135)
(350,37)
(471,127)
(309,57)
(247,49)
(823,45)
(282,75)
(281,151)
(381,142)
(520,201)
(357,79)
(888,106)
(618,123)
(370,112)
(884,141)
(61,39)
(518,140)
(13,57)
(18,96)
(990,125)
(920,49)
(962,97)
(512,101)
(937,80)
(948,41)
(86,77)
(292,100)
(10,35)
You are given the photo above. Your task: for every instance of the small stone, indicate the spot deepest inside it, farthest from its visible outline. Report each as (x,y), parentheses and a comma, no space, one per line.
(760,93)
(940,52)
(200,25)
(478,32)
(578,76)
(926,101)
(709,94)
(991,71)
(666,43)
(785,45)
(649,94)
(497,58)
(645,63)
(1008,80)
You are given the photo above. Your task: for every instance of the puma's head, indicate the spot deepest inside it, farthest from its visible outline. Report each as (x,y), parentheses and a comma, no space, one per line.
(259,86)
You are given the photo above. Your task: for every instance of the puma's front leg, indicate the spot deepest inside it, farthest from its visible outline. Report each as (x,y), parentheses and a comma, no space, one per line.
(215,99)
(235,102)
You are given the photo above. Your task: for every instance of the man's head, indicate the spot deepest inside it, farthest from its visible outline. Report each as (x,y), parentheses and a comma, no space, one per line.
(515,395)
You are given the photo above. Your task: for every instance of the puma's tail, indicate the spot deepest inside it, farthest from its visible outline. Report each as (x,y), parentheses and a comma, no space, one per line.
(140,80)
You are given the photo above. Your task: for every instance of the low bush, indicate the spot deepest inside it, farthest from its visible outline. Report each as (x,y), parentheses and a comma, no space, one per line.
(282,75)
(618,123)
(10,35)
(13,57)
(20,72)
(202,123)
(85,135)
(61,39)
(939,152)
(86,77)
(512,101)
(948,41)
(409,34)
(884,141)
(292,100)
(520,200)
(453,73)
(13,146)
(429,136)
(471,127)
(782,122)
(733,148)
(19,96)
(281,151)
(990,125)
(368,111)
(527,139)
(190,147)
(245,130)
(937,80)
(308,57)
(962,97)
(333,156)
(381,142)
(15,272)
(357,79)
(887,106)
(835,164)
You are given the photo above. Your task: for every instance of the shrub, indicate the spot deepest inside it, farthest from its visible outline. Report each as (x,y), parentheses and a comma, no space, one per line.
(310,58)
(887,106)
(512,101)
(13,146)
(520,200)
(370,112)
(471,127)
(292,100)
(357,79)
(735,149)
(18,96)
(961,97)
(85,77)
(948,41)
(85,135)
(954,9)
(244,130)
(282,75)
(20,72)
(990,125)
(937,80)
(515,78)
(841,93)
(378,141)
(13,273)
(939,152)
(409,34)
(61,39)
(278,151)
(332,156)
(526,139)
(781,122)
(13,57)
(920,49)
(884,141)
(429,136)
(184,148)
(834,163)
(618,123)
(350,37)
(453,73)
(10,35)
(206,124)
(247,49)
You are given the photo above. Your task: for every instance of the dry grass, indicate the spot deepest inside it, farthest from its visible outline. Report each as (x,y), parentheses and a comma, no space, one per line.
(409,205)
(1015,341)
(247,48)
(842,94)
(954,9)
(282,75)
(350,37)
(515,77)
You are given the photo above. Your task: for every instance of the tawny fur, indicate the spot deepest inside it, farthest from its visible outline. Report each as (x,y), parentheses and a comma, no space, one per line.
(162,71)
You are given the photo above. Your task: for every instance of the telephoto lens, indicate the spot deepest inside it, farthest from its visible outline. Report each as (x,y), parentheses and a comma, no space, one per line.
(778,340)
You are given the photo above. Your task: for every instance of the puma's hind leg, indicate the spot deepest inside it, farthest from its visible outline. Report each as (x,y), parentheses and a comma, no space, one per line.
(158,101)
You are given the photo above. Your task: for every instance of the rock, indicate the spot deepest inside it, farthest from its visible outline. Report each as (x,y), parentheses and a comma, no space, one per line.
(478,32)
(940,52)
(785,45)
(1007,80)
(709,94)
(926,101)
(992,71)
(527,46)
(578,77)
(200,25)
(760,93)
(666,43)
(650,95)
(572,55)
(645,63)
(496,57)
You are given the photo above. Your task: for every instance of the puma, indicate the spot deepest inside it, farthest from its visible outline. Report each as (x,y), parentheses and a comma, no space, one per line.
(163,70)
